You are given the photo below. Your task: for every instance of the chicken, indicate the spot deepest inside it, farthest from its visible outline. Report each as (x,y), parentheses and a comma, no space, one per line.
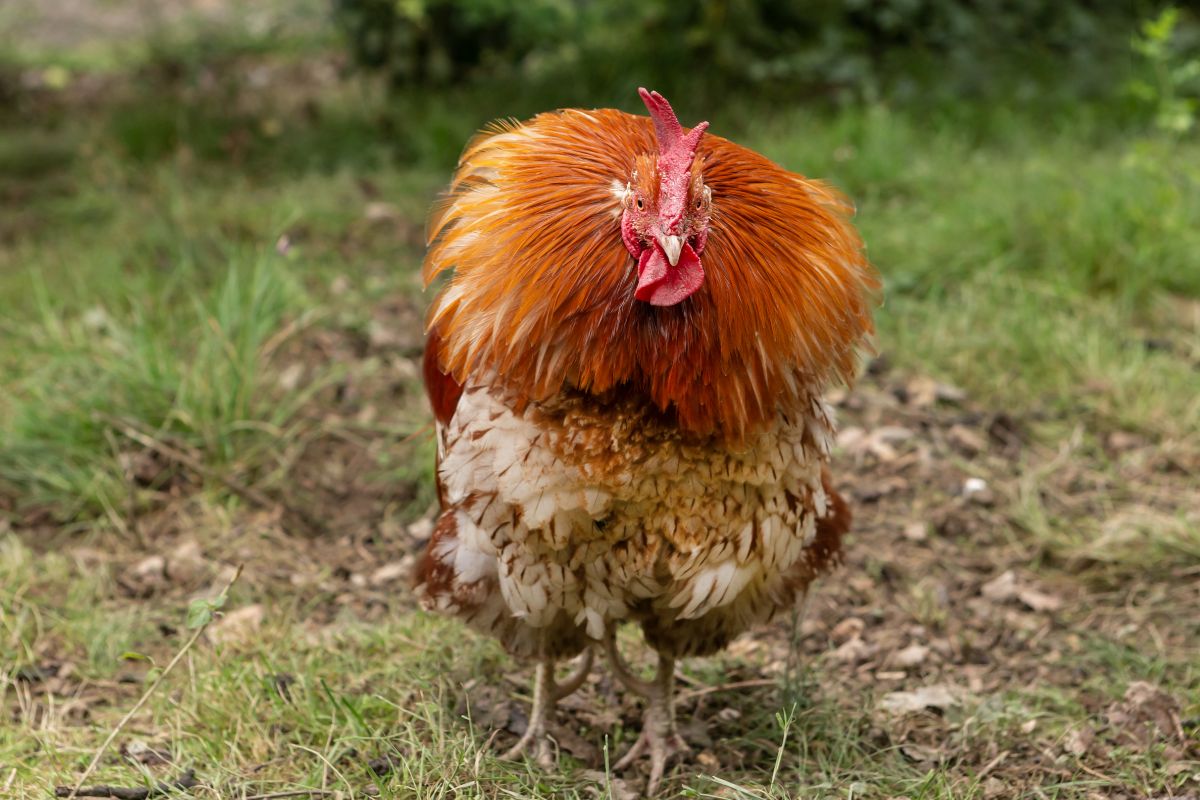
(626,367)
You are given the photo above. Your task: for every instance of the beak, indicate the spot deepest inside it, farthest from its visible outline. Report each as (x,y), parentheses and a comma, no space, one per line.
(671,245)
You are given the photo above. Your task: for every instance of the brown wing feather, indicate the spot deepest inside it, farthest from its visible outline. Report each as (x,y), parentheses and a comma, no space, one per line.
(443,390)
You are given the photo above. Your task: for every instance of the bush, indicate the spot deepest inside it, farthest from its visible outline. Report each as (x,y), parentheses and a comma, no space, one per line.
(844,47)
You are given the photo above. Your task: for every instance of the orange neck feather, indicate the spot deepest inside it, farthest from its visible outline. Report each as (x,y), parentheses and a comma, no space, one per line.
(541,299)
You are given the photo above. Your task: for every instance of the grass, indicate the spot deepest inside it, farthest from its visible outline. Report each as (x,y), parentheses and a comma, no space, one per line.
(230,271)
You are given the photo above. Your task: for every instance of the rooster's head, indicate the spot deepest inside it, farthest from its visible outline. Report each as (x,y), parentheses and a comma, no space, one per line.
(667,208)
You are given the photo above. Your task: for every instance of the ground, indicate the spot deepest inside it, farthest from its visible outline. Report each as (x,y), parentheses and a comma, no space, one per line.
(211,327)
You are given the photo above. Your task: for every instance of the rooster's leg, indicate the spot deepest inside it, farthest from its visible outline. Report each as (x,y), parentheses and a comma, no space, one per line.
(546,693)
(659,735)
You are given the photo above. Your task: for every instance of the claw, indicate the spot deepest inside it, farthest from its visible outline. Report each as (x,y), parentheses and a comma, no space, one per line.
(659,735)
(546,693)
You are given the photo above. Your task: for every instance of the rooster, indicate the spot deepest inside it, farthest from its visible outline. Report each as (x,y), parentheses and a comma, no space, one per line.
(626,367)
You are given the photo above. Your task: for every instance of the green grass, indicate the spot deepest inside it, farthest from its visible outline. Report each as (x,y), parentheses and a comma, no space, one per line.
(1033,268)
(231,273)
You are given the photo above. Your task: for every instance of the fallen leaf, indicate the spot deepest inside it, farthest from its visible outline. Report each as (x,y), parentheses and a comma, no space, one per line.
(392,571)
(939,696)
(849,628)
(614,788)
(994,787)
(966,440)
(1039,601)
(922,754)
(853,651)
(921,392)
(1001,588)
(911,656)
(574,744)
(421,530)
(1146,716)
(1078,741)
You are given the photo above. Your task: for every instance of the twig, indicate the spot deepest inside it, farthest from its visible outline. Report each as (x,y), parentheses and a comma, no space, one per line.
(186,781)
(178,456)
(292,793)
(91,767)
(754,684)
(991,765)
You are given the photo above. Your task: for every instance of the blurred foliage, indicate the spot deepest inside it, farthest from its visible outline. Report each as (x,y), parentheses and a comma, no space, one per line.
(847,49)
(1169,79)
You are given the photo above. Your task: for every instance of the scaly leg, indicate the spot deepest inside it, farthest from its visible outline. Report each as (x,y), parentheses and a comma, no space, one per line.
(546,693)
(659,735)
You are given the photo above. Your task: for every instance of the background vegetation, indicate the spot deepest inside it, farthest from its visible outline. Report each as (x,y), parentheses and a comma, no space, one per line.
(210,225)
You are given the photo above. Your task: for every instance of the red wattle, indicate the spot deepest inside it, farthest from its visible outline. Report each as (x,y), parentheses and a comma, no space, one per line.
(661,284)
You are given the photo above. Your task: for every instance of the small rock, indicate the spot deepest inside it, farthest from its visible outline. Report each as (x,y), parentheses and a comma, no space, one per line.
(1122,441)
(96,319)
(290,377)
(186,563)
(151,569)
(237,626)
(142,753)
(379,211)
(729,714)
(916,531)
(976,490)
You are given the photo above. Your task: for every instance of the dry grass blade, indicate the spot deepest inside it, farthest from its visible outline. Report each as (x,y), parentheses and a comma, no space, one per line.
(247,493)
(100,751)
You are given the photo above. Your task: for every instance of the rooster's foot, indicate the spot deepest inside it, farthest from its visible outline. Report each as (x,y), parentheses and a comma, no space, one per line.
(659,736)
(546,694)
(661,746)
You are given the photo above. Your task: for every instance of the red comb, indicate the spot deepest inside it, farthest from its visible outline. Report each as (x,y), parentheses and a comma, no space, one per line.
(675,150)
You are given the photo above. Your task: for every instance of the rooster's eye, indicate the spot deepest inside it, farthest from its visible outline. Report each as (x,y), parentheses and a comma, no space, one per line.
(639,204)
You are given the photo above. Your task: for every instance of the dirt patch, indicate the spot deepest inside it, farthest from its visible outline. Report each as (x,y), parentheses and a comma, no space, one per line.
(951,635)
